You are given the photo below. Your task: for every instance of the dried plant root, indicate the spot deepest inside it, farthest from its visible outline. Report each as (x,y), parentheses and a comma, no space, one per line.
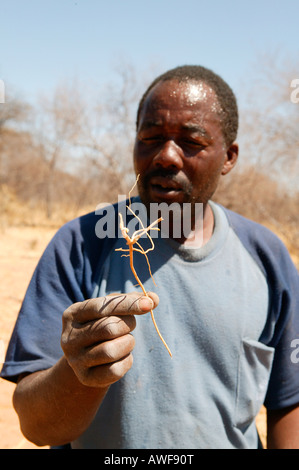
(131,241)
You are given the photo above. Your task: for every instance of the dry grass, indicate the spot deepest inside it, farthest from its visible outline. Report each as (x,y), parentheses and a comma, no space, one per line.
(15,213)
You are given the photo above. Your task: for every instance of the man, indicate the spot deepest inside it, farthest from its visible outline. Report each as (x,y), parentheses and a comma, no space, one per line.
(228,305)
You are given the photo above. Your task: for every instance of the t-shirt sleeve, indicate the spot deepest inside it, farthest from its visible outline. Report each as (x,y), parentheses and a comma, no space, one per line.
(56,283)
(283,389)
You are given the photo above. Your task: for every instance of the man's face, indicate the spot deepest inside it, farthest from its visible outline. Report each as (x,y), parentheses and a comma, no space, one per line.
(180,151)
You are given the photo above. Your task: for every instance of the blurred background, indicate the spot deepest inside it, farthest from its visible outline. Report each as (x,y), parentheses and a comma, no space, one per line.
(71,75)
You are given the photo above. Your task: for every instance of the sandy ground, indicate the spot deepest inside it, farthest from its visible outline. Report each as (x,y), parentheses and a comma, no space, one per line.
(20,249)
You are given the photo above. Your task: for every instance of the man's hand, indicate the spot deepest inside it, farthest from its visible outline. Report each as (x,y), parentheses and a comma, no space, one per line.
(96,337)
(57,405)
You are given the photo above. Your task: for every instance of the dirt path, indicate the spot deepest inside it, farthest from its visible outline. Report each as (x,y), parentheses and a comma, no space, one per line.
(20,249)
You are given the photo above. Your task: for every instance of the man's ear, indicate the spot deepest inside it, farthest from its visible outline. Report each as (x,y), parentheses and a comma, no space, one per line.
(232,154)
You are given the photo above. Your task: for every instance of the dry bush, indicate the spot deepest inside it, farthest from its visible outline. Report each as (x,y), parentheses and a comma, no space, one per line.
(18,213)
(255,195)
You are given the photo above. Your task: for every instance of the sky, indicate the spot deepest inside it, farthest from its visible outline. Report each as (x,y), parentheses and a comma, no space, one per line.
(46,42)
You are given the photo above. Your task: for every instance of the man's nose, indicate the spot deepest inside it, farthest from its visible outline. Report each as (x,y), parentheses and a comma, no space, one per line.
(170,155)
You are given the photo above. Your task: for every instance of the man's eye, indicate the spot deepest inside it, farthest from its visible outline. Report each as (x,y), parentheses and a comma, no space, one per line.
(151,139)
(193,143)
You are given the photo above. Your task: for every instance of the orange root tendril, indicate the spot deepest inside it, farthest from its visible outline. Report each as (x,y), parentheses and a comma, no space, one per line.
(131,241)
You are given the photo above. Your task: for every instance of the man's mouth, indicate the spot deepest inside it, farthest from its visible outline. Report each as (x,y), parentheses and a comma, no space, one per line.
(165,185)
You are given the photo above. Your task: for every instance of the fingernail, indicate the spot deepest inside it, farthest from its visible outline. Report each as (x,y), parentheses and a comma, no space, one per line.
(145,304)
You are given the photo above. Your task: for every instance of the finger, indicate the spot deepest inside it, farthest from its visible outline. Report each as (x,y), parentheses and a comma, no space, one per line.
(102,329)
(104,363)
(107,374)
(109,351)
(116,304)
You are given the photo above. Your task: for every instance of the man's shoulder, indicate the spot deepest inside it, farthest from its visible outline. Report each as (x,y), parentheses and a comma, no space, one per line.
(84,226)
(76,229)
(251,230)
(265,246)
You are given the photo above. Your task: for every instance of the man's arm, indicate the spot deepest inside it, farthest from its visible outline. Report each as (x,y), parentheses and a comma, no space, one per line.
(55,406)
(283,428)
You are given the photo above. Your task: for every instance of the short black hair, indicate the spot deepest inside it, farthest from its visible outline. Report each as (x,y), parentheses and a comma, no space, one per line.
(226,97)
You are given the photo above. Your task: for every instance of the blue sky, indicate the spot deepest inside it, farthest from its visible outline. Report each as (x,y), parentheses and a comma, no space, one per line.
(44,42)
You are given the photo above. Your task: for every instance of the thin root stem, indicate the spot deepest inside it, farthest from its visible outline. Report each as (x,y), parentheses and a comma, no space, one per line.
(130,242)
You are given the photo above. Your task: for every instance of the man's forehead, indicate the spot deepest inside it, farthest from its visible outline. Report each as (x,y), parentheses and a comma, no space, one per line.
(169,93)
(192,91)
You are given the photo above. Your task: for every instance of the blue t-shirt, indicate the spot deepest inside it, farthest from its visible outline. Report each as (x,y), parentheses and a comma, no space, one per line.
(229,312)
